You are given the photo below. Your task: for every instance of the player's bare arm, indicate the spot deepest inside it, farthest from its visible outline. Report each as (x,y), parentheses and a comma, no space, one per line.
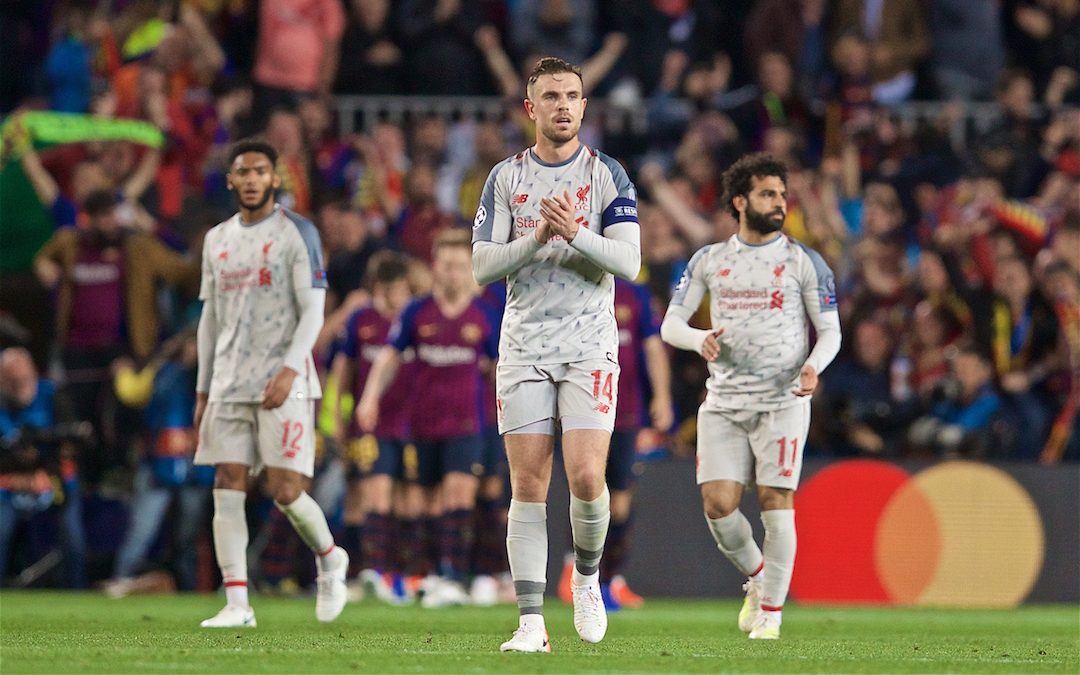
(383,372)
(659,372)
(807,381)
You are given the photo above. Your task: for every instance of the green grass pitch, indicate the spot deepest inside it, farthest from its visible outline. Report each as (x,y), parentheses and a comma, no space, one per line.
(44,632)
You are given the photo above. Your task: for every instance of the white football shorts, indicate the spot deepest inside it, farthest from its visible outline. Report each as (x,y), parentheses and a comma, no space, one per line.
(244,433)
(749,446)
(587,390)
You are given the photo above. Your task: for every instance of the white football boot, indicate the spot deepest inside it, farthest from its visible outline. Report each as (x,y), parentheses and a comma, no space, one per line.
(765,628)
(528,639)
(751,605)
(232,617)
(590,616)
(332,592)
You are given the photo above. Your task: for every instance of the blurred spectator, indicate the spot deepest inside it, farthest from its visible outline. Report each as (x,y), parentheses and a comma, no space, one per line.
(297,57)
(898,36)
(1025,334)
(375,177)
(1046,36)
(421,219)
(693,27)
(346,267)
(372,62)
(106,279)
(38,472)
(490,149)
(962,418)
(329,154)
(1008,151)
(931,340)
(864,408)
(68,64)
(968,50)
(774,102)
(1063,283)
(441,56)
(559,28)
(793,27)
(165,390)
(285,132)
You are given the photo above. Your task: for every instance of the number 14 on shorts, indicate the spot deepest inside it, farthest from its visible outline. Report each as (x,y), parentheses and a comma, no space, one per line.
(783,443)
(601,391)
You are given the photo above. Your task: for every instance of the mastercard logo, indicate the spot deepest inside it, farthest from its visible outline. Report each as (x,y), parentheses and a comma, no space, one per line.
(957,534)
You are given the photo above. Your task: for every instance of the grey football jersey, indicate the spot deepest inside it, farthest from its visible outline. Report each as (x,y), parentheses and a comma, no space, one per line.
(253,273)
(559,306)
(761,297)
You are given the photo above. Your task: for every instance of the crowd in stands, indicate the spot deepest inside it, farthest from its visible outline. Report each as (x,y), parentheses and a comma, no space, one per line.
(956,245)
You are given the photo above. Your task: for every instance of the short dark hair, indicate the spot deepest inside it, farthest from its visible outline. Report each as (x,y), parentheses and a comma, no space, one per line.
(99,202)
(551,65)
(737,179)
(386,267)
(252,145)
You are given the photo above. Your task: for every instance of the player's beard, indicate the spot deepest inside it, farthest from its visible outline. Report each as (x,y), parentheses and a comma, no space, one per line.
(266,196)
(764,223)
(558,136)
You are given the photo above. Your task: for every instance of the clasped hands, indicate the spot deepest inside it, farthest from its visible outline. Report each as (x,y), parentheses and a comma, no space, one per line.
(557,218)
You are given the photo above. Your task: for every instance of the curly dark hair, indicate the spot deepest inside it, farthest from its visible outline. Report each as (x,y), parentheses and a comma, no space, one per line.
(550,65)
(253,145)
(737,179)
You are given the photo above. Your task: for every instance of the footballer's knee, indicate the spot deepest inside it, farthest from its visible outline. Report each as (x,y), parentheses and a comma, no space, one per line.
(529,488)
(721,498)
(587,482)
(285,490)
(231,477)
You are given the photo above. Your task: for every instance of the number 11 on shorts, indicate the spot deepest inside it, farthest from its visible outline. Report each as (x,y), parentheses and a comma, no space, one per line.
(783,448)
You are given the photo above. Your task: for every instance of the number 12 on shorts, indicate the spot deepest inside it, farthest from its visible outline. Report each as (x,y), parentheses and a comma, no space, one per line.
(293,447)
(783,451)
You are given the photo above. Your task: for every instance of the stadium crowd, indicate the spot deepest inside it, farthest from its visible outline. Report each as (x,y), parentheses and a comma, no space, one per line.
(955,239)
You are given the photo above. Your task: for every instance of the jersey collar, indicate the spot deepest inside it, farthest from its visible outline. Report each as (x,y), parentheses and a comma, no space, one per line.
(277,207)
(541,162)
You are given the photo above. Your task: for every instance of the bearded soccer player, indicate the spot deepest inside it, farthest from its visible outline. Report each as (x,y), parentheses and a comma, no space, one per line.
(752,426)
(558,221)
(263,289)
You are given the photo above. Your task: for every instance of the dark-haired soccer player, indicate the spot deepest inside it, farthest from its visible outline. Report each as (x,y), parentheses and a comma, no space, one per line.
(263,289)
(752,426)
(558,220)
(452,332)
(378,459)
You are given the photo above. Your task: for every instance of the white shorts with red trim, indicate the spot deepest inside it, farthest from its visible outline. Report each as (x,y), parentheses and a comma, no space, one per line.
(244,433)
(750,446)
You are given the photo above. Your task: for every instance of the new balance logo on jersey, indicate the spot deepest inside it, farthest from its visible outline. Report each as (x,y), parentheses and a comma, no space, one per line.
(266,251)
(520,199)
(224,255)
(724,272)
(602,408)
(777,301)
